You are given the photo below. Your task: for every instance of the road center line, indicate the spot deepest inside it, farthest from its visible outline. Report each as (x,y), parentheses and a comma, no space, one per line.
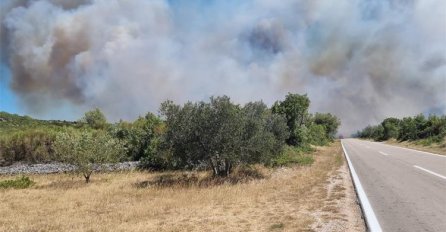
(431,172)
(383,153)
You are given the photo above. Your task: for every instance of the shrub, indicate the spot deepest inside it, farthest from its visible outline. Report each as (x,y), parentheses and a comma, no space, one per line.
(292,155)
(221,135)
(95,119)
(329,122)
(140,138)
(18,183)
(34,145)
(87,150)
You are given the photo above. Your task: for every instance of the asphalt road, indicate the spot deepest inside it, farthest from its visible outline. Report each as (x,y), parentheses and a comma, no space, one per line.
(406,188)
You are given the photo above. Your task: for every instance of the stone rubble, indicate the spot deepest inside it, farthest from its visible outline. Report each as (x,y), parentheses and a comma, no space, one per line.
(61,168)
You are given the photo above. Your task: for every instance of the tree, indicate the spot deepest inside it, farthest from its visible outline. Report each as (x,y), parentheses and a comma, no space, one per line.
(264,133)
(295,109)
(329,122)
(317,135)
(391,128)
(221,135)
(141,138)
(95,119)
(87,150)
(408,129)
(372,132)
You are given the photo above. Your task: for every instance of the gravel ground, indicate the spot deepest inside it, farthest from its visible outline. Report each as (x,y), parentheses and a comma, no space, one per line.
(340,211)
(59,168)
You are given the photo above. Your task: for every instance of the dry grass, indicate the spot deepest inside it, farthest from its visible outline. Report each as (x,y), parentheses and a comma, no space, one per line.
(437,148)
(114,202)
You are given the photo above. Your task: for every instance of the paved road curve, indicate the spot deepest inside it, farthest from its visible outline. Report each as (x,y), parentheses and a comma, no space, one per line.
(406,188)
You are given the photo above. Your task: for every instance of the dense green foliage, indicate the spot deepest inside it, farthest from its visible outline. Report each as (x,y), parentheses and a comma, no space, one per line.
(87,149)
(295,109)
(294,155)
(141,138)
(32,146)
(221,135)
(217,135)
(28,140)
(18,183)
(304,128)
(432,129)
(95,119)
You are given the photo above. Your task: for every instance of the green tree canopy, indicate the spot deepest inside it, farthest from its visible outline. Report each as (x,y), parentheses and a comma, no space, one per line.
(87,149)
(221,135)
(295,109)
(95,119)
(391,128)
(329,122)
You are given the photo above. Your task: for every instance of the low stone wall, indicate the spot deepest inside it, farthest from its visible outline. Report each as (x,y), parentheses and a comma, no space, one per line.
(60,168)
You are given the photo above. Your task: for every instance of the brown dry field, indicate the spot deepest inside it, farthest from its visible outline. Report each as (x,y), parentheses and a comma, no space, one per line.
(311,198)
(437,148)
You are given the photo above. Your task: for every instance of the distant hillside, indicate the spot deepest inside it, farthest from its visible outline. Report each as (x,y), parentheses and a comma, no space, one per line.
(12,122)
(26,139)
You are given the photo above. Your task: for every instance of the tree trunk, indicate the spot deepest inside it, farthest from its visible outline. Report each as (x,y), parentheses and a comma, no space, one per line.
(87,177)
(228,167)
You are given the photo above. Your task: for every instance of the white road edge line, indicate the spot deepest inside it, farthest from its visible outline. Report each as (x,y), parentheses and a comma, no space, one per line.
(383,153)
(429,171)
(370,217)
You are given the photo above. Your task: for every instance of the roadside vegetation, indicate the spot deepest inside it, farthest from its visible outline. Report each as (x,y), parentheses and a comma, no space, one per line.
(425,133)
(204,166)
(218,136)
(293,198)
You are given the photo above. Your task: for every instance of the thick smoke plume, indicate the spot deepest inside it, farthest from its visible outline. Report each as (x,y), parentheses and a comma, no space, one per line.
(361,60)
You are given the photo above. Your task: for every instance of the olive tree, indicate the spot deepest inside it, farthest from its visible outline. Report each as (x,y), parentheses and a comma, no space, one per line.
(221,135)
(87,150)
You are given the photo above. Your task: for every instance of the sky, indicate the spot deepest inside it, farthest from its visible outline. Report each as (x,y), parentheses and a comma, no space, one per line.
(361,60)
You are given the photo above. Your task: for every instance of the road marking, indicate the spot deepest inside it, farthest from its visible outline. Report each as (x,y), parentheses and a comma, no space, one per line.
(425,152)
(367,146)
(431,172)
(383,153)
(370,217)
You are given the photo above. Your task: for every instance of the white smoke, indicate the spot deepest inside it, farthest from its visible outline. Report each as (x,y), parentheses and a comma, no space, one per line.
(361,60)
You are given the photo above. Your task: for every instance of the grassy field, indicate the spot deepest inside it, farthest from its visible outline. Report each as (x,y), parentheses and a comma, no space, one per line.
(422,145)
(287,199)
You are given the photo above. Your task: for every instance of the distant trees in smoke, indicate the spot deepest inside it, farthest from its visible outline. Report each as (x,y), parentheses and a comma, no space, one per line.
(431,129)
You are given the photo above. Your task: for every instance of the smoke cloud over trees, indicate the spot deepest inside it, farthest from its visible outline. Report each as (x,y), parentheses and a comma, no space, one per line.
(361,60)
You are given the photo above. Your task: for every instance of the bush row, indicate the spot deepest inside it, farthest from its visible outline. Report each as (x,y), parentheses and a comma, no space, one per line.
(432,128)
(217,135)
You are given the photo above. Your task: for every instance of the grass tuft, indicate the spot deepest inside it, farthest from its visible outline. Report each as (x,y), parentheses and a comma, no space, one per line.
(18,183)
(277,226)
(293,155)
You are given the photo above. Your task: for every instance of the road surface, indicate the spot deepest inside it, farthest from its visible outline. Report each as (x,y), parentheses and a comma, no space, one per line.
(406,189)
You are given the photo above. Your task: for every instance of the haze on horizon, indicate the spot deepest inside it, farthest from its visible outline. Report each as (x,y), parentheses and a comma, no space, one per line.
(360,60)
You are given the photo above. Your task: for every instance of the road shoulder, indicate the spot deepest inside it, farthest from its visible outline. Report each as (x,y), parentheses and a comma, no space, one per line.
(339,209)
